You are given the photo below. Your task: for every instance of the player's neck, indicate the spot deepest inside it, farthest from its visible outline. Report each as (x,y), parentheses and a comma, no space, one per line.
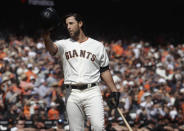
(81,38)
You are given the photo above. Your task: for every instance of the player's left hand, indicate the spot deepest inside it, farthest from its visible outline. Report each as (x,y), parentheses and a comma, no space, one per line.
(114,99)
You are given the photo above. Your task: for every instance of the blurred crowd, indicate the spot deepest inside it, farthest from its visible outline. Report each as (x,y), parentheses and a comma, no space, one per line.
(149,77)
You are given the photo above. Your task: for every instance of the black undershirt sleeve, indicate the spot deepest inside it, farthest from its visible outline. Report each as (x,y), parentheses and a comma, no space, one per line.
(103,69)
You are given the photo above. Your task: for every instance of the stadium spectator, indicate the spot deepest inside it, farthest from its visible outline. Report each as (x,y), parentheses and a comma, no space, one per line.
(19,126)
(53,113)
(150,78)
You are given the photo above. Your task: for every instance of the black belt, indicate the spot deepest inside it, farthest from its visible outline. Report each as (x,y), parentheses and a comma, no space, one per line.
(81,87)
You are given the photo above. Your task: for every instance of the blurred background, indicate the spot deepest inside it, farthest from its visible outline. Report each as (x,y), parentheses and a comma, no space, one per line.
(102,17)
(145,44)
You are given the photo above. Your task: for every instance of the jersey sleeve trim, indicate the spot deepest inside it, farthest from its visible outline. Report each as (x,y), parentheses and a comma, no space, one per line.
(103,69)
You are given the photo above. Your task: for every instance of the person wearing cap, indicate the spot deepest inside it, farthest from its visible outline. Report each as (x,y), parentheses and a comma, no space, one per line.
(59,125)
(53,113)
(19,125)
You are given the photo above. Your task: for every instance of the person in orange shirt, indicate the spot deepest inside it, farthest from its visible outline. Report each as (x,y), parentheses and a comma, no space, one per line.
(2,54)
(53,113)
(61,81)
(30,73)
(26,87)
(182,107)
(140,94)
(147,86)
(27,109)
(118,50)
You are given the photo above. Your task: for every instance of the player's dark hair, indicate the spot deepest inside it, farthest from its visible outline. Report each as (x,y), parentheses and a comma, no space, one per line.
(77,17)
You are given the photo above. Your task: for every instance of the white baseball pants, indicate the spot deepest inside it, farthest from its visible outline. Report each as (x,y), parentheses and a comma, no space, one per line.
(87,102)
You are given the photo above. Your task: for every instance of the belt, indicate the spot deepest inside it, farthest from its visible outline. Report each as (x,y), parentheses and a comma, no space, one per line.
(81,87)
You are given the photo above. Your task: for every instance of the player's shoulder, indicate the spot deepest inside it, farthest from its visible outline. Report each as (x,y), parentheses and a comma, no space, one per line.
(62,40)
(94,41)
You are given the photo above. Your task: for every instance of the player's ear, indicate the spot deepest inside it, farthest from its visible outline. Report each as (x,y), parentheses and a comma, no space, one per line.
(80,24)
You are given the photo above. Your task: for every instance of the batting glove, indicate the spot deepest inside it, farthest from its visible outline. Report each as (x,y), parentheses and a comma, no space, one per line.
(114,98)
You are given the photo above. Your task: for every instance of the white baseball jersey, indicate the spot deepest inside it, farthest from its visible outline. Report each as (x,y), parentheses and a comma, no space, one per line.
(82,61)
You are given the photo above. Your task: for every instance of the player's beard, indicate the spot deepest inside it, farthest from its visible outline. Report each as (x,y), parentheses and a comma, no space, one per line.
(75,35)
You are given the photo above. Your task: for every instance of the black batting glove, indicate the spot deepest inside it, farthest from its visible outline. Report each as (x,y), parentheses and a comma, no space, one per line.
(114,99)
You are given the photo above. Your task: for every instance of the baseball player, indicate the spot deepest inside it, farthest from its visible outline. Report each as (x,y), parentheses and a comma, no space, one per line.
(85,62)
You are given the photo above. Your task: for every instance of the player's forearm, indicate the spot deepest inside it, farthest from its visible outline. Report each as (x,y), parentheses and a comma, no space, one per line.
(50,46)
(107,77)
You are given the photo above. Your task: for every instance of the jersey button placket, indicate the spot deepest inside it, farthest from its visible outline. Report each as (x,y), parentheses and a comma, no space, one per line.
(81,64)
